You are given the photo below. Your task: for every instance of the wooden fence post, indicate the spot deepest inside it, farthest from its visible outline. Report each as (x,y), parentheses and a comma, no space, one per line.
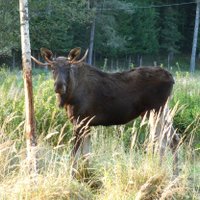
(27,73)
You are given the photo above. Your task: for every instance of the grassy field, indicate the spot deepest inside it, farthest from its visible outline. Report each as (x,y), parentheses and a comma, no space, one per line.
(118,169)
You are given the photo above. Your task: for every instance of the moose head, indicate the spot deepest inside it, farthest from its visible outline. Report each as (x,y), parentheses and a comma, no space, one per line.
(61,67)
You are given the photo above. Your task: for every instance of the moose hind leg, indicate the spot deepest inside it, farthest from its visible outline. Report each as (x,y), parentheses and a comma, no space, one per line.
(174,145)
(167,137)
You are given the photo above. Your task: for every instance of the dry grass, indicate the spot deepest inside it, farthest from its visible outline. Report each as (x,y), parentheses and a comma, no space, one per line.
(116,171)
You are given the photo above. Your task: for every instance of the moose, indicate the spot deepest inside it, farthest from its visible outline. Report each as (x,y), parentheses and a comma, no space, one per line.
(92,97)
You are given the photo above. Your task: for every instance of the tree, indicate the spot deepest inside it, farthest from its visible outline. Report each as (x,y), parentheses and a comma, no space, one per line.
(108,39)
(92,32)
(170,35)
(140,31)
(195,37)
(92,5)
(54,23)
(27,72)
(121,27)
(9,27)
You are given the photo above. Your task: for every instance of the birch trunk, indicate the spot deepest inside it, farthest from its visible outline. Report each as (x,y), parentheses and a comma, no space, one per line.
(91,42)
(27,73)
(195,37)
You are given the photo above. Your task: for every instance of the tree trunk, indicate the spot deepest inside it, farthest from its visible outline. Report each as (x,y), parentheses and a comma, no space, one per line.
(117,63)
(140,61)
(94,58)
(91,42)
(112,65)
(27,72)
(168,61)
(13,59)
(129,62)
(195,37)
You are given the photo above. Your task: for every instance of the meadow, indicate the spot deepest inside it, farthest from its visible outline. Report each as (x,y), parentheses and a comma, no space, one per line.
(119,167)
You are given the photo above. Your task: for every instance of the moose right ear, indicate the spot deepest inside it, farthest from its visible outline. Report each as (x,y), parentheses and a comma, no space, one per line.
(46,54)
(73,54)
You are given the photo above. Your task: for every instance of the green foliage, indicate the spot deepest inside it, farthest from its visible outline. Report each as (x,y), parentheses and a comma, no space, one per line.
(170,34)
(123,27)
(52,22)
(9,26)
(108,39)
(49,118)
(186,93)
(138,28)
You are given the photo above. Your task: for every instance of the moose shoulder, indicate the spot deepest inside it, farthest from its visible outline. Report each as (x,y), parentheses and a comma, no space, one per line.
(105,98)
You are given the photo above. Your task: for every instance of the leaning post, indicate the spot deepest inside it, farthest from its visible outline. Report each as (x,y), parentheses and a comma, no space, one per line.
(28,90)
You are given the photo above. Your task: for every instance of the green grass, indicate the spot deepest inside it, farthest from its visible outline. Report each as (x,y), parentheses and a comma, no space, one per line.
(186,93)
(118,166)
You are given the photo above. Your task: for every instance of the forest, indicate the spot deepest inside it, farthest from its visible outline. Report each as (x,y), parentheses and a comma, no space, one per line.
(119,33)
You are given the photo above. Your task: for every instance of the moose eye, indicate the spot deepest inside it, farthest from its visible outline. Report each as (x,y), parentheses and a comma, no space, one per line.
(53,68)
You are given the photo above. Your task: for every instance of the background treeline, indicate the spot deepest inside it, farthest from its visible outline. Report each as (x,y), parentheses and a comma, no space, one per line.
(122,33)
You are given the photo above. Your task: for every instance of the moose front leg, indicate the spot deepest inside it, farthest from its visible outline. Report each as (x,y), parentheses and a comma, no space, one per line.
(81,147)
(81,139)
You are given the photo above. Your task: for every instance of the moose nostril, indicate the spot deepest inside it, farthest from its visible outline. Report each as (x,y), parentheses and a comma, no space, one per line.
(59,88)
(56,90)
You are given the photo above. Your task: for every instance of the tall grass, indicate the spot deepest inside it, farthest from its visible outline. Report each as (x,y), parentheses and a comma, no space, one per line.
(113,173)
(118,168)
(187,93)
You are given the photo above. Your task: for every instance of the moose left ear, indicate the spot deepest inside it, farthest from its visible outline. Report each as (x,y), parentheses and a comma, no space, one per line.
(73,54)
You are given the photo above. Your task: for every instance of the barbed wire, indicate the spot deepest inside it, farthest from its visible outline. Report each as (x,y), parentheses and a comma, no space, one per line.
(150,6)
(133,7)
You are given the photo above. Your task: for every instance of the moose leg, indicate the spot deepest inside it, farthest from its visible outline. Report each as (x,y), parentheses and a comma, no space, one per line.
(81,147)
(76,143)
(167,138)
(86,145)
(174,148)
(175,163)
(160,135)
(81,142)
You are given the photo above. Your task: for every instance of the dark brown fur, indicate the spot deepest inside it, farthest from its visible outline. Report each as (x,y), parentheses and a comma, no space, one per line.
(94,97)
(115,98)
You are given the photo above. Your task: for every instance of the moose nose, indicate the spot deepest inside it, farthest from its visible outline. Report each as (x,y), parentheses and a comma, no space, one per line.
(59,88)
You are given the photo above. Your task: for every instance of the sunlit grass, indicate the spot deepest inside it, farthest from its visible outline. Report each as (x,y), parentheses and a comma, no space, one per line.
(113,172)
(118,168)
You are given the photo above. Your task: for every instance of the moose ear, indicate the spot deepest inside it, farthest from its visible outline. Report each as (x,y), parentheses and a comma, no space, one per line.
(73,54)
(46,54)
